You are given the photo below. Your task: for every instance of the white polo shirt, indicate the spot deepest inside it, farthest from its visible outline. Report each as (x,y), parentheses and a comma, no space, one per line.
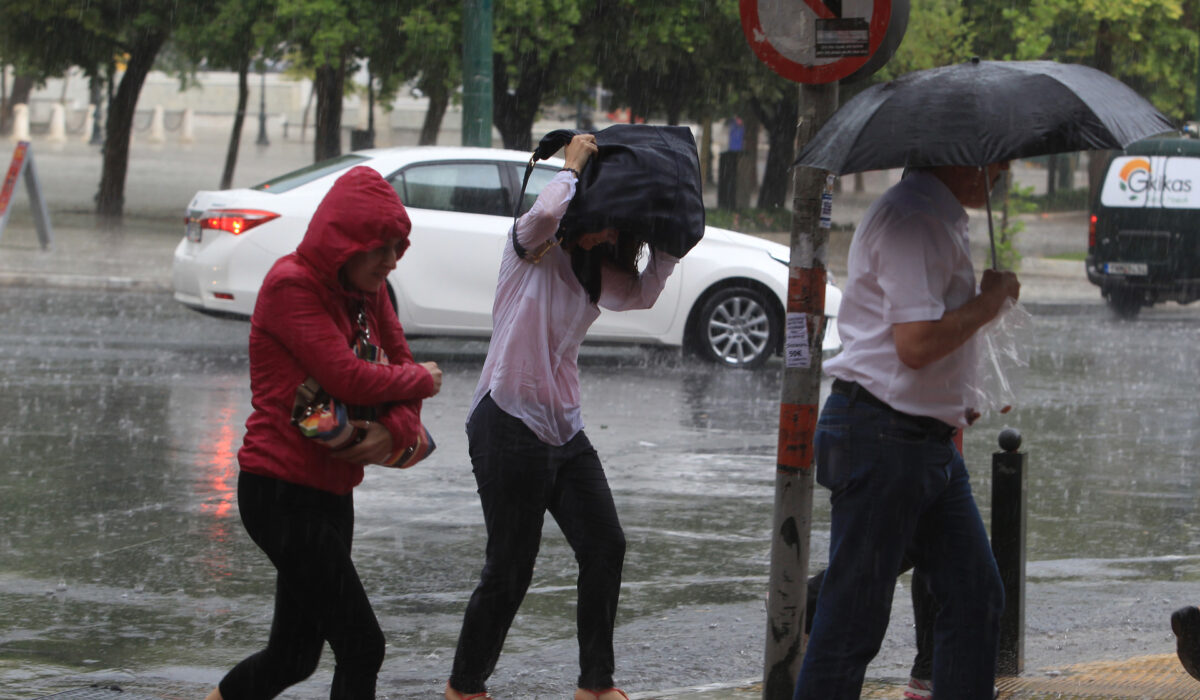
(909,261)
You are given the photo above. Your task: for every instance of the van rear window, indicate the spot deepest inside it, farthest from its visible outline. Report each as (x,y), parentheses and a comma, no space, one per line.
(1152,182)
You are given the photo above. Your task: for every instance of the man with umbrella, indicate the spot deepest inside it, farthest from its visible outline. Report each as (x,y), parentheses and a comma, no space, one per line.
(909,311)
(884,443)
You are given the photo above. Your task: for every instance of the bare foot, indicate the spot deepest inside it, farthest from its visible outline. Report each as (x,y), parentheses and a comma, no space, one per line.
(452,694)
(606,694)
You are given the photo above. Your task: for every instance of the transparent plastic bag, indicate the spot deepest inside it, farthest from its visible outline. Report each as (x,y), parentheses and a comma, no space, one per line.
(1003,349)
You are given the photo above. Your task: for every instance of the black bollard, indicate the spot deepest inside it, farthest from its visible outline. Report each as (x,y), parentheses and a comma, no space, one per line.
(1008,546)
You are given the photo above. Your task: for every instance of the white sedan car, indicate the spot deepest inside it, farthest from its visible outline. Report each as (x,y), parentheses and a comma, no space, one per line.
(725,301)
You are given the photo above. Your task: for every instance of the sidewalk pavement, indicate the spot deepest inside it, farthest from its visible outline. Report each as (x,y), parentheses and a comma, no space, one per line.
(1158,677)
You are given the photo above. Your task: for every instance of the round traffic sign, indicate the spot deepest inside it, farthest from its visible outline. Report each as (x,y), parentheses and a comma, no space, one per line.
(815,41)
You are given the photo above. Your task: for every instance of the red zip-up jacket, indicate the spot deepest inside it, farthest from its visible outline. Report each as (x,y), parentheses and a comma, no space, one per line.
(303,325)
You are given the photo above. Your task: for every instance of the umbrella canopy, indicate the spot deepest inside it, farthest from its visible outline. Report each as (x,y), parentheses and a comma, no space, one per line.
(981,112)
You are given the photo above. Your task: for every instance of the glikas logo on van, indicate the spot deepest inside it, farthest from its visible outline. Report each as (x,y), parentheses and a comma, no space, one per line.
(1137,179)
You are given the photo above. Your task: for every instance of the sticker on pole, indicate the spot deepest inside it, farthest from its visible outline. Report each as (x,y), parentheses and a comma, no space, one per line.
(796,352)
(826,220)
(815,41)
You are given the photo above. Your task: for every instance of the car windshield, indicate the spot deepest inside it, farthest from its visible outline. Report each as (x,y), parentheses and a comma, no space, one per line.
(304,175)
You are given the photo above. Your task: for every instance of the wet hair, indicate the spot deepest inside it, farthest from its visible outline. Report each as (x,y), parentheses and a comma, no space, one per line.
(587,264)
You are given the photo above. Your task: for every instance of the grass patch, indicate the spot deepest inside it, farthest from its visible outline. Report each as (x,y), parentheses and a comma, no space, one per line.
(1062,200)
(750,220)
(756,220)
(1081,256)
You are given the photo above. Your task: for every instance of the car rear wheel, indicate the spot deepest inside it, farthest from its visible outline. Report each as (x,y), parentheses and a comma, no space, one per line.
(736,327)
(1125,304)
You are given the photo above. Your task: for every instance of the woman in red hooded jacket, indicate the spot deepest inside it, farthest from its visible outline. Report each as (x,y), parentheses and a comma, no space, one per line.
(294,493)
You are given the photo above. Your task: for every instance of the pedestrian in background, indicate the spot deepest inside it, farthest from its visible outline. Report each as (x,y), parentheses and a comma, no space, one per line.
(294,493)
(884,445)
(528,449)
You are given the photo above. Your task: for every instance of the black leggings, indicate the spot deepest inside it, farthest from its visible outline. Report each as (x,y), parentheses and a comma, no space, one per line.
(520,478)
(318,597)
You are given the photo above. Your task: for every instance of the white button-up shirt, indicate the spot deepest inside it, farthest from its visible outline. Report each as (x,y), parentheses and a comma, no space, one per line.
(910,260)
(540,315)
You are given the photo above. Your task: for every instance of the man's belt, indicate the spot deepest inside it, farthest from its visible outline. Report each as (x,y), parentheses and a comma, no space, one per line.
(933,427)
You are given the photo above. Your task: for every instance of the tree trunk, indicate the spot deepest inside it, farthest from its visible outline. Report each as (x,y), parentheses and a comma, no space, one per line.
(1102,60)
(239,120)
(439,100)
(513,114)
(779,119)
(1051,174)
(329,86)
(1102,56)
(110,200)
(22,86)
(1097,160)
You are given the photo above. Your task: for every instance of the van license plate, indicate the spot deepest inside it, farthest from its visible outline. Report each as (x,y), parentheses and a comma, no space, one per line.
(1119,268)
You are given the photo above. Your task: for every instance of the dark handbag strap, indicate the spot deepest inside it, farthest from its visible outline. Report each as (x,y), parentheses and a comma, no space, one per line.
(310,394)
(548,146)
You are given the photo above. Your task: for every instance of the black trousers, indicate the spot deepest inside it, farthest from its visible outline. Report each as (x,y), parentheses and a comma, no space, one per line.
(520,478)
(318,596)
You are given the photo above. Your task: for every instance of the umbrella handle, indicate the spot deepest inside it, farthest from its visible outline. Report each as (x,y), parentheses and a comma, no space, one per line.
(987,195)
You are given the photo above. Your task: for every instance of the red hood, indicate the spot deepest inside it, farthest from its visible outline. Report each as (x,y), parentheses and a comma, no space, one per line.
(360,212)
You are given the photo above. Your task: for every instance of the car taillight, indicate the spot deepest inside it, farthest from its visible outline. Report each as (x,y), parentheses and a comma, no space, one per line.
(235,221)
(1092,231)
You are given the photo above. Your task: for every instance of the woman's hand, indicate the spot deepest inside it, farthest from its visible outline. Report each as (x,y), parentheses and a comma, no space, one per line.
(374,448)
(577,153)
(436,373)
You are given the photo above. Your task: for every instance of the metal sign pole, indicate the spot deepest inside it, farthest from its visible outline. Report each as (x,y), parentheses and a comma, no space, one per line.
(477,73)
(816,43)
(798,407)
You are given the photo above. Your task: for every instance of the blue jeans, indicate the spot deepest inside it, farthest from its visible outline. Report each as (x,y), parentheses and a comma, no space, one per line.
(897,491)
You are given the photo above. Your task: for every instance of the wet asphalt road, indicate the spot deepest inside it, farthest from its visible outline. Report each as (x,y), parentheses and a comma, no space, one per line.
(123,554)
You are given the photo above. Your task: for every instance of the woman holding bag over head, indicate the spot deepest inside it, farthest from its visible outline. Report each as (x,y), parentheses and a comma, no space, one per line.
(295,493)
(528,450)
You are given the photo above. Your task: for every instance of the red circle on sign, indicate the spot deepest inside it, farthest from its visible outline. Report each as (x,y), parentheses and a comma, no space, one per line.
(812,74)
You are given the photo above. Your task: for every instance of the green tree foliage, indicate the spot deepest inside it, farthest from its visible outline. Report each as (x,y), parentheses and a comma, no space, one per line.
(673,58)
(50,35)
(331,37)
(432,57)
(938,34)
(533,58)
(1151,45)
(238,33)
(325,34)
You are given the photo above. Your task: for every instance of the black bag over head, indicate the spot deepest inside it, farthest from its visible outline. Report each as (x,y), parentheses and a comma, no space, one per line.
(644,181)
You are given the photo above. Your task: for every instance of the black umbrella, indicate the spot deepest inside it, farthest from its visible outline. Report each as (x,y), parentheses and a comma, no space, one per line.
(981,112)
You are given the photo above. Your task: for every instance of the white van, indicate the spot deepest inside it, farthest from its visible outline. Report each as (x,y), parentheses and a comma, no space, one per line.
(1144,231)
